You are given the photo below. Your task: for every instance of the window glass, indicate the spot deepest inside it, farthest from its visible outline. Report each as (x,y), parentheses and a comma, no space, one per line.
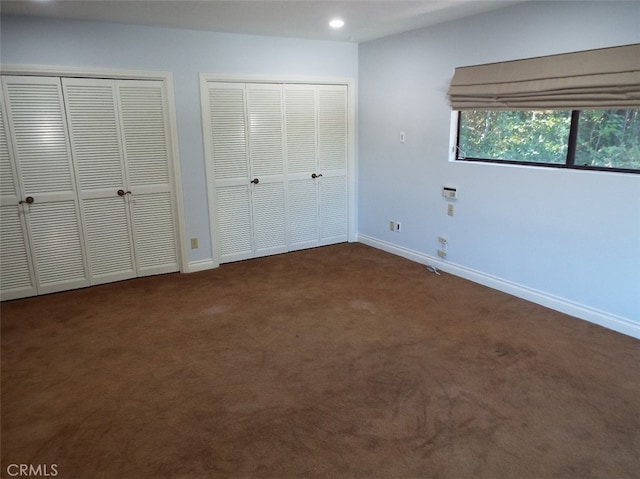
(609,138)
(522,136)
(593,139)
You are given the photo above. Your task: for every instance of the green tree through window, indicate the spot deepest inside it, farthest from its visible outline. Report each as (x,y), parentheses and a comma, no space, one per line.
(602,139)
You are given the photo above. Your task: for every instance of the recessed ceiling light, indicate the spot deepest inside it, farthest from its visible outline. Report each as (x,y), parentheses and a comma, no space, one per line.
(336,23)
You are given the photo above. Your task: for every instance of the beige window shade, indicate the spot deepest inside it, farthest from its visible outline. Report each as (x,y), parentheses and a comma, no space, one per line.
(604,78)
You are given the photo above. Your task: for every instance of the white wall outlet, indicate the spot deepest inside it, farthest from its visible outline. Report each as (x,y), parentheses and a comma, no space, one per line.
(194,243)
(402,136)
(450,209)
(442,253)
(392,225)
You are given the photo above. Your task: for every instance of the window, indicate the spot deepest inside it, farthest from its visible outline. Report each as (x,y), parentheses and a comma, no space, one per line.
(585,139)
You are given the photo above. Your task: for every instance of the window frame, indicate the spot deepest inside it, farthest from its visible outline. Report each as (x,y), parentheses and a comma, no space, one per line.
(569,159)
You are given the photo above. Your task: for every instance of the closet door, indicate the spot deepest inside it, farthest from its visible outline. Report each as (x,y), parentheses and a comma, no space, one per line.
(38,133)
(266,160)
(302,158)
(102,187)
(278,158)
(332,163)
(226,127)
(17,279)
(316,128)
(145,134)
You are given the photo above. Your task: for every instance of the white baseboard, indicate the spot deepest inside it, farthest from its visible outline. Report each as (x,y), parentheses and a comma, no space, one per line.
(204,264)
(601,318)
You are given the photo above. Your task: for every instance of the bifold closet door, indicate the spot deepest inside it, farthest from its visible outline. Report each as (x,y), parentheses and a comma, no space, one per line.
(96,144)
(266,162)
(332,163)
(120,149)
(227,135)
(278,160)
(145,134)
(45,185)
(316,135)
(301,120)
(17,279)
(245,133)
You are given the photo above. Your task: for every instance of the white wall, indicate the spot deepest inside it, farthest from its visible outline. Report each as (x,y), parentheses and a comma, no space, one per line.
(185,53)
(566,239)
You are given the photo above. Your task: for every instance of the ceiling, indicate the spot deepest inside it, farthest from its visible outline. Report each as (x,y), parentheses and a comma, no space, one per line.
(364,19)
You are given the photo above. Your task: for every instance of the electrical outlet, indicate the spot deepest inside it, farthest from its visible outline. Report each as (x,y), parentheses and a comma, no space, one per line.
(442,253)
(392,225)
(450,209)
(194,243)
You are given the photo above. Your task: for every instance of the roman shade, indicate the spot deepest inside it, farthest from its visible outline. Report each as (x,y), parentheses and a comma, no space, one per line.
(593,79)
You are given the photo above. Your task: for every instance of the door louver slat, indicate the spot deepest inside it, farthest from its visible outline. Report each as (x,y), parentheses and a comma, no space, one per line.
(269,217)
(56,239)
(40,137)
(108,238)
(229,142)
(155,233)
(332,128)
(301,130)
(303,216)
(94,131)
(14,257)
(143,119)
(234,222)
(265,135)
(7,182)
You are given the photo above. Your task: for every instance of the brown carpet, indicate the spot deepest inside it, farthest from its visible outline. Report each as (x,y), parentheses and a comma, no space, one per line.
(336,362)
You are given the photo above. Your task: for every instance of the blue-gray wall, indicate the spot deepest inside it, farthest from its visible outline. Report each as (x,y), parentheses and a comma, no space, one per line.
(568,239)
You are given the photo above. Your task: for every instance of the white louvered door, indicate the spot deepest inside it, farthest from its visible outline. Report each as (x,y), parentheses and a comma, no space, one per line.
(226,129)
(266,160)
(92,113)
(245,133)
(144,123)
(86,186)
(17,279)
(42,159)
(332,163)
(316,129)
(302,158)
(278,160)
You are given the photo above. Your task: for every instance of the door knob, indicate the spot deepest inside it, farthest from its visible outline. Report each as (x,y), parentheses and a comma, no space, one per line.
(314,176)
(122,192)
(255,181)
(28,200)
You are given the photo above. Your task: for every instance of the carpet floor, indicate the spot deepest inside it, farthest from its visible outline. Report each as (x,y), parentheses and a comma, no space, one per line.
(335,362)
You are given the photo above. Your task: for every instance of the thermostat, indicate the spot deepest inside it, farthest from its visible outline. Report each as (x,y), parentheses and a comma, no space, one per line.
(449,193)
